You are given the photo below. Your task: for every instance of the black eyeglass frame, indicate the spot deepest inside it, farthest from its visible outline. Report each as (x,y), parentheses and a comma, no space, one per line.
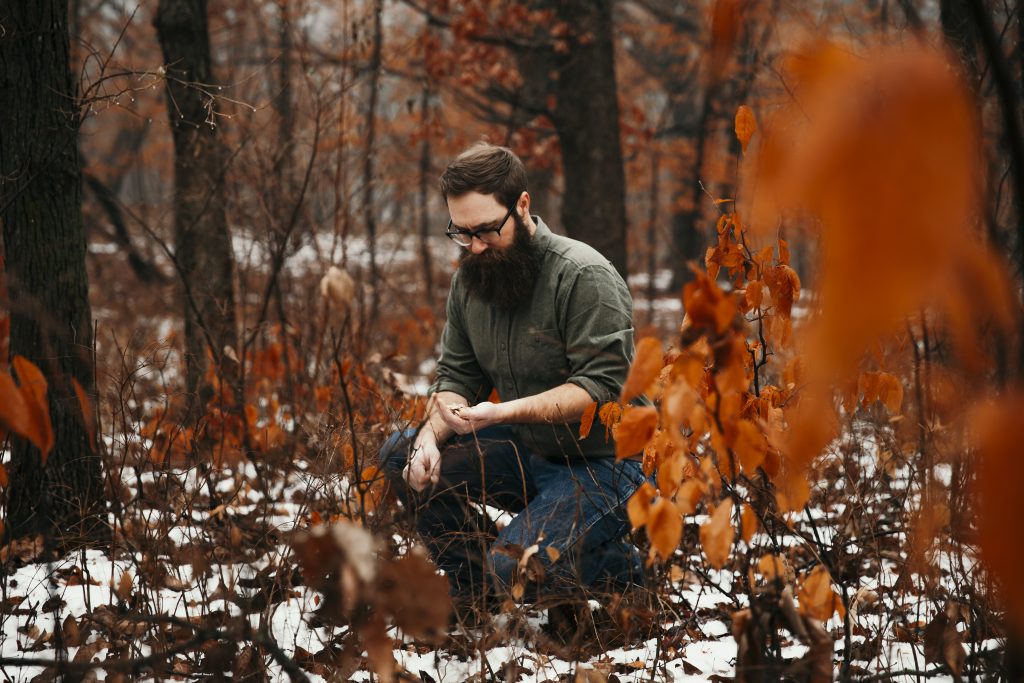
(464,233)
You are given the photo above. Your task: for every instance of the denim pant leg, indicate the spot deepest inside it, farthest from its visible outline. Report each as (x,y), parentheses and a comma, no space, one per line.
(490,467)
(579,511)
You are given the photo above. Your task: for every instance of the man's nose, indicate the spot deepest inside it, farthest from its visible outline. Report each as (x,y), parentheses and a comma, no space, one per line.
(477,246)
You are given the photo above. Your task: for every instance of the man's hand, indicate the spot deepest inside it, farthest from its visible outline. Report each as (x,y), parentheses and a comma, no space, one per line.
(467,419)
(424,466)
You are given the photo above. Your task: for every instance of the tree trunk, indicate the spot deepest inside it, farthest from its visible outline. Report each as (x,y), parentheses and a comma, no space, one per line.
(652,231)
(283,103)
(687,228)
(586,116)
(369,205)
(44,243)
(202,242)
(424,193)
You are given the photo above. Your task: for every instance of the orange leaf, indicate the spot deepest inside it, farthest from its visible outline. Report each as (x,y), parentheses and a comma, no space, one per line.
(890,392)
(587,420)
(753,295)
(712,263)
(38,428)
(124,586)
(772,567)
(690,367)
(676,406)
(908,246)
(689,495)
(707,306)
(670,473)
(610,414)
(999,432)
(634,430)
(750,447)
(817,599)
(783,253)
(748,524)
(30,377)
(13,412)
(784,286)
(645,369)
(745,126)
(716,535)
(664,528)
(379,647)
(639,506)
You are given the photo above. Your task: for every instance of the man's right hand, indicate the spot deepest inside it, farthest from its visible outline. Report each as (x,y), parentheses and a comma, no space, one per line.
(424,466)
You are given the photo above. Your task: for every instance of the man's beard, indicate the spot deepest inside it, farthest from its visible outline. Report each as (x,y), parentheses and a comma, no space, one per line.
(503,277)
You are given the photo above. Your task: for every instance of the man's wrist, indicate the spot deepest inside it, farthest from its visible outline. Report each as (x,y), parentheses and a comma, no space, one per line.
(505,413)
(426,437)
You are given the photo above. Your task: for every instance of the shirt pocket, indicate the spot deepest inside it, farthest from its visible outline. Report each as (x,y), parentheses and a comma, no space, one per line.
(545,351)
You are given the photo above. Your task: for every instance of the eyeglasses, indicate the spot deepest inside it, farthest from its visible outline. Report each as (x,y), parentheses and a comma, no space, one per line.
(489,234)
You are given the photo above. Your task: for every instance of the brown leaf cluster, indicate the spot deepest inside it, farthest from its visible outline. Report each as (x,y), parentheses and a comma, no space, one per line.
(365,587)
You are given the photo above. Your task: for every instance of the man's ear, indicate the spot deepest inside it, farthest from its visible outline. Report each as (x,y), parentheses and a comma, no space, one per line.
(523,205)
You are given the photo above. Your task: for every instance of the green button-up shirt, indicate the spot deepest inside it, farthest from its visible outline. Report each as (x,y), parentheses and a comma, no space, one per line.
(577,328)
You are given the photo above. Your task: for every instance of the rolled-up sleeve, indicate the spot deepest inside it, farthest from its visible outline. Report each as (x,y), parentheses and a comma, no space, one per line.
(598,314)
(458,369)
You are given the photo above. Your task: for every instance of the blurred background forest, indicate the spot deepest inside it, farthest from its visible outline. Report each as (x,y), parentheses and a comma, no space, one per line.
(179,177)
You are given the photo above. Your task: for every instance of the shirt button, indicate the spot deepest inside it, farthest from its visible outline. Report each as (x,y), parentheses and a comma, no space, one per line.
(502,347)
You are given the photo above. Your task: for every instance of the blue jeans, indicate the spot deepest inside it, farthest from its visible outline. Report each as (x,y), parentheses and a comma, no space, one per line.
(574,507)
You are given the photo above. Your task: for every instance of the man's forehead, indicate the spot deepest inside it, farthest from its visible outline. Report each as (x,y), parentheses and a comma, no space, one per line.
(474,208)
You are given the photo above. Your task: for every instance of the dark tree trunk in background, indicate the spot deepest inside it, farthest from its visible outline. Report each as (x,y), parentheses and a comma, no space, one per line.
(285,107)
(541,181)
(44,243)
(687,223)
(201,237)
(424,192)
(570,79)
(369,203)
(586,116)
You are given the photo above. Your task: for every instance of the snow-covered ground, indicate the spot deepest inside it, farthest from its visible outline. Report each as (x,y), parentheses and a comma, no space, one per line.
(95,593)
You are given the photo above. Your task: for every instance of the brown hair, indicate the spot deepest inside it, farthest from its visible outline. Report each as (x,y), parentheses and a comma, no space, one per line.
(487,169)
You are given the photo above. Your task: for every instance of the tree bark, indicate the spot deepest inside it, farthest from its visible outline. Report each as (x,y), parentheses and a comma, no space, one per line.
(44,243)
(369,204)
(427,262)
(586,117)
(202,243)
(284,163)
(687,228)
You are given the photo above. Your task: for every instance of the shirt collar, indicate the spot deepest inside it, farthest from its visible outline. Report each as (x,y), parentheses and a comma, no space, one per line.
(541,236)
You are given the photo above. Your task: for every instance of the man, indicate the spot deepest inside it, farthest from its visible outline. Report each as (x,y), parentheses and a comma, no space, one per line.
(546,321)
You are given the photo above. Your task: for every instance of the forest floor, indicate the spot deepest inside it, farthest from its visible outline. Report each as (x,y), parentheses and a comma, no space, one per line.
(201,561)
(183,559)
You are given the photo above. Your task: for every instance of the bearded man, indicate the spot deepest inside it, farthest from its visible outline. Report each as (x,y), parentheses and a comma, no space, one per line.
(546,322)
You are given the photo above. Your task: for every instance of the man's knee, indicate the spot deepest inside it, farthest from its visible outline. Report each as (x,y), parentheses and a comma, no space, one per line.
(503,570)
(394,454)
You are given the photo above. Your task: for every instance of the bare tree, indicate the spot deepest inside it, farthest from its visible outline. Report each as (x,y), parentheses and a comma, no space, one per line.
(369,203)
(44,243)
(568,79)
(202,241)
(585,114)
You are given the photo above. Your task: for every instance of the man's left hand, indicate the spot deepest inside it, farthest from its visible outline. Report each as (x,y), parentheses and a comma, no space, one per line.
(468,419)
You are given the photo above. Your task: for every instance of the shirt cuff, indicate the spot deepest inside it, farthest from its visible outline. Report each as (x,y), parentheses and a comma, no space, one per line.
(597,391)
(448,385)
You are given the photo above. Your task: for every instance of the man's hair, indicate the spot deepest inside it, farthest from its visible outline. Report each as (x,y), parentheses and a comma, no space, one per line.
(487,169)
